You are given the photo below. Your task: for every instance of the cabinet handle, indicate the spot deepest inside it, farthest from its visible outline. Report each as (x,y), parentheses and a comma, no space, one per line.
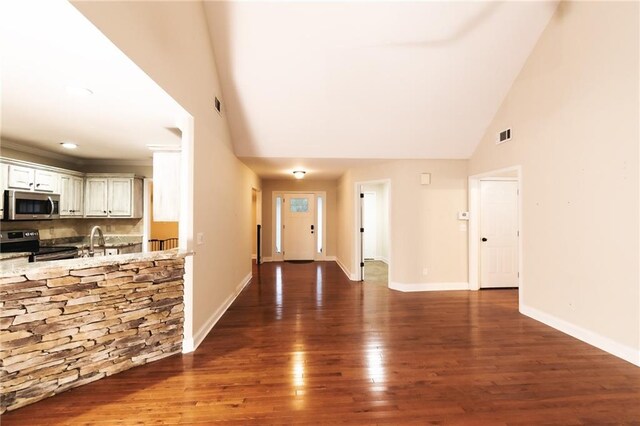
(31,184)
(37,185)
(104,211)
(109,211)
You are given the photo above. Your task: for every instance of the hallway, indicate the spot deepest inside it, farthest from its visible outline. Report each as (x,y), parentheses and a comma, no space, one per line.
(303,344)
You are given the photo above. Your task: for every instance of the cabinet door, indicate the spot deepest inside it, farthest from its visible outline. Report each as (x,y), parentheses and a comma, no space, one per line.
(78,196)
(120,197)
(46,181)
(96,197)
(20,177)
(66,195)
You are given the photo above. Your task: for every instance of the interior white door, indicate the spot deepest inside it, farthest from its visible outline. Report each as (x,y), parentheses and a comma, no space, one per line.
(299,227)
(370,225)
(498,233)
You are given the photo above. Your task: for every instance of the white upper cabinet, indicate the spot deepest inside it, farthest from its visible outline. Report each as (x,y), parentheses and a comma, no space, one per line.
(71,195)
(46,181)
(120,202)
(96,196)
(113,197)
(30,179)
(20,177)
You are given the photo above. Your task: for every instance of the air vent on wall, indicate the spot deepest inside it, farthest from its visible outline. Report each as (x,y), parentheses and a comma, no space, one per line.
(218,105)
(504,136)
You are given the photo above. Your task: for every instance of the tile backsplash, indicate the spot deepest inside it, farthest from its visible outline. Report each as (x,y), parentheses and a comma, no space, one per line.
(61,228)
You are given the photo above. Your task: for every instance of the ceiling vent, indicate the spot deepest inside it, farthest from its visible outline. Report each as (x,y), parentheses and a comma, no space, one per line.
(218,105)
(503,136)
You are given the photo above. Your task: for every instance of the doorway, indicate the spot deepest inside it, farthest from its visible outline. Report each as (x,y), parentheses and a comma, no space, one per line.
(495,230)
(373,235)
(299,227)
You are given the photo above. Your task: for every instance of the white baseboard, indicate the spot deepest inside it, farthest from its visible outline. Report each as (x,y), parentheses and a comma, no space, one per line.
(254,256)
(326,259)
(382,259)
(349,275)
(192,344)
(320,259)
(407,287)
(624,352)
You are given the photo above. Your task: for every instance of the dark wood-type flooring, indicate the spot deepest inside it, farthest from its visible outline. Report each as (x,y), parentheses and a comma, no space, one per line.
(302,344)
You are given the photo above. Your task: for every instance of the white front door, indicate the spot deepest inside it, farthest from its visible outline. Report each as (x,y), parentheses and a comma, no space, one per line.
(370,225)
(498,233)
(299,227)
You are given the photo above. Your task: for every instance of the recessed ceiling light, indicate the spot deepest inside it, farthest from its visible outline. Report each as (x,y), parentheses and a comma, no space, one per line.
(69,145)
(299,174)
(79,91)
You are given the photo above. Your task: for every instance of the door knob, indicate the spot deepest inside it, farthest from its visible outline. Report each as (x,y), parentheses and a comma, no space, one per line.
(484,239)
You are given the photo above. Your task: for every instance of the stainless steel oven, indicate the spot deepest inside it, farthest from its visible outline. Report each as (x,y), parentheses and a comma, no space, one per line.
(24,205)
(28,241)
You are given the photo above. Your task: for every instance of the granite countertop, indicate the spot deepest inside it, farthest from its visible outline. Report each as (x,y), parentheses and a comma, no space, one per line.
(5,256)
(88,262)
(111,241)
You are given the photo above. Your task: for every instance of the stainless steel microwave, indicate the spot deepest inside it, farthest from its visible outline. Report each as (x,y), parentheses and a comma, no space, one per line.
(24,205)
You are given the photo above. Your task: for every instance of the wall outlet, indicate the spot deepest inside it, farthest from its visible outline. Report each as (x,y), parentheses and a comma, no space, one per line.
(199,238)
(51,231)
(108,228)
(425,271)
(111,252)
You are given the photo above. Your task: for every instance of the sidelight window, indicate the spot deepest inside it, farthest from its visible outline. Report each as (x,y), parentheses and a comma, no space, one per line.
(319,224)
(278,224)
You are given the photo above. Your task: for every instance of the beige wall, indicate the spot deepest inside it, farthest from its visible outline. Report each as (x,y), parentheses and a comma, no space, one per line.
(271,186)
(170,42)
(574,111)
(424,227)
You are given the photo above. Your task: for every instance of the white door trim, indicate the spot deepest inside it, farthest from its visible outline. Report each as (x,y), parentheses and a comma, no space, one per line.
(474,224)
(356,229)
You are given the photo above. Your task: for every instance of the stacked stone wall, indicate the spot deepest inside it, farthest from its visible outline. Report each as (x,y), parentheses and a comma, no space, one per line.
(63,328)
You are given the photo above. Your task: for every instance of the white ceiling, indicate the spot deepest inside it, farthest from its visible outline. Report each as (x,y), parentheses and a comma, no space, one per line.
(368,79)
(49,45)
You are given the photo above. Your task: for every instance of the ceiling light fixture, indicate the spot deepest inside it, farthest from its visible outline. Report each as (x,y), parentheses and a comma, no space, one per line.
(79,91)
(299,174)
(69,145)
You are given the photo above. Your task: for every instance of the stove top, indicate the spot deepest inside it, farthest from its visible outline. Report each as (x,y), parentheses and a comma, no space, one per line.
(29,241)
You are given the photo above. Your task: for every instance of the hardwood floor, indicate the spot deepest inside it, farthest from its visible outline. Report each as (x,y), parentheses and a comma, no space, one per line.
(302,344)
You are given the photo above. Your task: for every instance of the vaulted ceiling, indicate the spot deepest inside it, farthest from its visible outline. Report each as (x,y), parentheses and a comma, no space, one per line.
(368,79)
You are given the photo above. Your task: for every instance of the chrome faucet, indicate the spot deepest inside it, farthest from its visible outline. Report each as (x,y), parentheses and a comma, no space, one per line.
(100,240)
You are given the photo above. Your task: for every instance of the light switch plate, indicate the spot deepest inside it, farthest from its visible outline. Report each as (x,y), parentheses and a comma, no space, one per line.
(200,238)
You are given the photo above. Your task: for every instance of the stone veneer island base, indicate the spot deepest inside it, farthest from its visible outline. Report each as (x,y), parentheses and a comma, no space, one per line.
(70,324)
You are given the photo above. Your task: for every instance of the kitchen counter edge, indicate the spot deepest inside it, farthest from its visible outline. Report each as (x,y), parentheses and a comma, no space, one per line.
(90,262)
